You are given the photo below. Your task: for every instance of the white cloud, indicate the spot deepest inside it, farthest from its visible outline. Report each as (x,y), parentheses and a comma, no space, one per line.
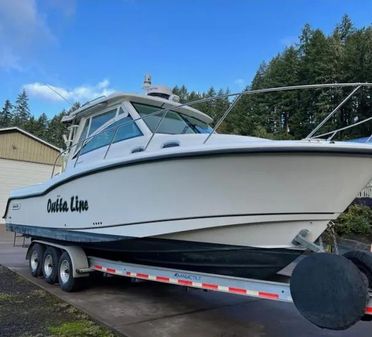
(240,83)
(80,94)
(103,84)
(22,29)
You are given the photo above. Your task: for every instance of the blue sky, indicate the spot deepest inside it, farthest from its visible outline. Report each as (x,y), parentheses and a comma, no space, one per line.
(85,48)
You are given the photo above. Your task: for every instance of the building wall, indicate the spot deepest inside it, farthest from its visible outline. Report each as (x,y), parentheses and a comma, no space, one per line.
(17,146)
(15,174)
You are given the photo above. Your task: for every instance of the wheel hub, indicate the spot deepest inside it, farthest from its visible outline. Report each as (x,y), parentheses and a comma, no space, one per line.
(64,271)
(34,260)
(48,265)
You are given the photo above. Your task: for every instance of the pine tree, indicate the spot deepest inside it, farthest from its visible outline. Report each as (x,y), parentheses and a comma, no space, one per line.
(38,127)
(21,110)
(344,29)
(181,92)
(6,116)
(56,130)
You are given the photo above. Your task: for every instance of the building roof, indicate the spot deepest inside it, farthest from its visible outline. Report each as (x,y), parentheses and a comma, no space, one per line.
(16,129)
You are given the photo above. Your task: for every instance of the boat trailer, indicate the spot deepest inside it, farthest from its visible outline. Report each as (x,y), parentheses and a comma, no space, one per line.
(347,300)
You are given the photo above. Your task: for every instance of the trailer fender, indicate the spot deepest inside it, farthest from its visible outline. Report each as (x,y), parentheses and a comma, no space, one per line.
(78,257)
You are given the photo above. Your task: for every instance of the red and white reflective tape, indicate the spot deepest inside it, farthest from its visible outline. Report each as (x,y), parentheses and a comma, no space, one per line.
(208,286)
(188,283)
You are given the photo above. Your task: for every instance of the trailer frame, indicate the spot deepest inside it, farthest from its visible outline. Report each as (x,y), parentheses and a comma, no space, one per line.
(268,290)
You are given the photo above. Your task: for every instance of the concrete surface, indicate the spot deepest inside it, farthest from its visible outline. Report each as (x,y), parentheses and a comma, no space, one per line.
(159,310)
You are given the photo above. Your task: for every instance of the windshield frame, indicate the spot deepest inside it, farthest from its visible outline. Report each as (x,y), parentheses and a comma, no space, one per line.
(158,112)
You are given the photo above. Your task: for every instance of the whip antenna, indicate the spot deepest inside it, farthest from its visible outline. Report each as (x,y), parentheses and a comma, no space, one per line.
(59,94)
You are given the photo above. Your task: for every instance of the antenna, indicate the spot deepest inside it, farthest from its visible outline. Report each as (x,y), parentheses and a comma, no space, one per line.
(58,94)
(147,82)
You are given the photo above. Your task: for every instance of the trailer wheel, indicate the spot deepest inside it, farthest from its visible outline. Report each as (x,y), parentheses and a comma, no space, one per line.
(35,260)
(363,260)
(50,264)
(67,281)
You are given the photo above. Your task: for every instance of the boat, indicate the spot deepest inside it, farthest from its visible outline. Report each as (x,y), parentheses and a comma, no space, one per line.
(148,180)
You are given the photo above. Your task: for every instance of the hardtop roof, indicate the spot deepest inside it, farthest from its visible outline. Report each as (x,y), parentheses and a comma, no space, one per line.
(106,101)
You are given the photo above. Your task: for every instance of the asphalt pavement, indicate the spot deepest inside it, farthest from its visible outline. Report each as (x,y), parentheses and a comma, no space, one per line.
(160,310)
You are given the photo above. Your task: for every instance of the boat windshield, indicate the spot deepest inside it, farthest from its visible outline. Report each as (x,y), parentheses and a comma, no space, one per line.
(173,123)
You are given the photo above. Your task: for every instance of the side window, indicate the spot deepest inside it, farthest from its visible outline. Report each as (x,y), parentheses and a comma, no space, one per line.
(126,129)
(99,120)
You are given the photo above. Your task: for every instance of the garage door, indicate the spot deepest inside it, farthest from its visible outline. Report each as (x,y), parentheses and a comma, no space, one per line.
(14,174)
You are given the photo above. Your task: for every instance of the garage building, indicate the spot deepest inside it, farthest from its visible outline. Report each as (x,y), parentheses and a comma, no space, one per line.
(24,160)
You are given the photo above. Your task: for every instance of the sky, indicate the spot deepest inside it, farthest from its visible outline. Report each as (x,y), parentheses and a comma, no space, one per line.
(82,49)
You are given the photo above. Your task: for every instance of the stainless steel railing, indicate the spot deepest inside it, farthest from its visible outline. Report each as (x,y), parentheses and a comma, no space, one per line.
(366,192)
(238,96)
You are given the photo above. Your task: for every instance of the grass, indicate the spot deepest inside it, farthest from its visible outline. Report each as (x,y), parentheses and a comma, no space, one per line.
(28,311)
(5,297)
(81,328)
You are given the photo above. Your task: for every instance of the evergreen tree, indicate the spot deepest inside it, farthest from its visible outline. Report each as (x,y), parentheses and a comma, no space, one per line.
(56,130)
(6,115)
(38,127)
(182,93)
(344,29)
(21,110)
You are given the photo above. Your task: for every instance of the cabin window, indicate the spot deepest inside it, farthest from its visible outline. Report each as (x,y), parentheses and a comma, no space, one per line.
(198,125)
(99,120)
(125,128)
(173,123)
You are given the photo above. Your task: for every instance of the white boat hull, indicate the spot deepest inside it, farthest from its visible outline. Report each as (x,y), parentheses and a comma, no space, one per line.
(245,199)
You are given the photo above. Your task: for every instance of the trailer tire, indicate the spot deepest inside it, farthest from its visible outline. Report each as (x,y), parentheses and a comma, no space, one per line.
(363,260)
(50,264)
(66,280)
(35,261)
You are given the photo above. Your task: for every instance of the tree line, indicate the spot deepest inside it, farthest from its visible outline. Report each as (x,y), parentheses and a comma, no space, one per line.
(344,55)
(18,114)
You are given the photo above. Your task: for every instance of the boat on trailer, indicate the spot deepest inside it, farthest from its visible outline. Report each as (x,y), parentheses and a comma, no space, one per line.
(148,180)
